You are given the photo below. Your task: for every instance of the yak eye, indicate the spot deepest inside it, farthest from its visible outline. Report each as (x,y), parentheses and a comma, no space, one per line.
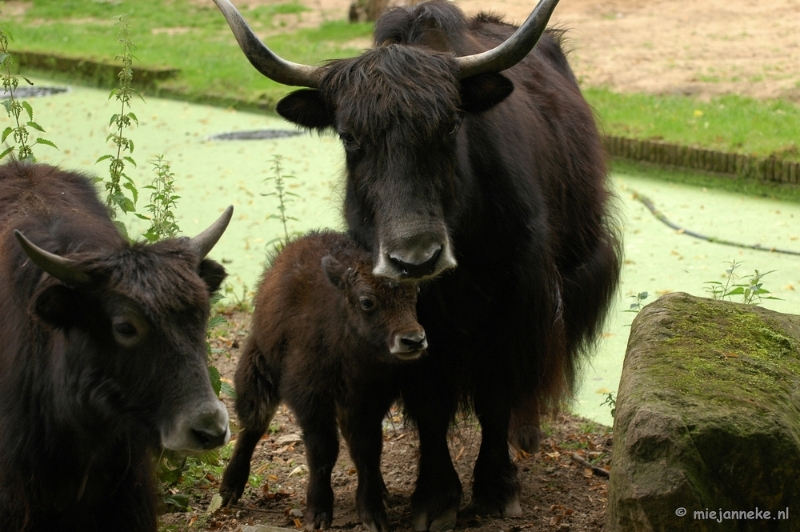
(128,330)
(349,141)
(124,328)
(455,126)
(367,303)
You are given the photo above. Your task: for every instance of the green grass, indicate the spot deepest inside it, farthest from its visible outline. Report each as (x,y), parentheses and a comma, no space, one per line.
(194,37)
(747,187)
(727,123)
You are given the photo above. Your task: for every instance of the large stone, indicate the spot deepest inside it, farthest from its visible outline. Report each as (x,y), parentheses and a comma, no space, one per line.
(707,420)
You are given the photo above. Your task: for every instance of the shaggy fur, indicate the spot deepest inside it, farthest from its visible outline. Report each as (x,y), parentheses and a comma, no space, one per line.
(315,346)
(79,413)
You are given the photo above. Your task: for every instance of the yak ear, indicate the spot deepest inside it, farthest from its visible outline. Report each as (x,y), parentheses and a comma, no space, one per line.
(58,305)
(212,273)
(305,108)
(481,93)
(335,271)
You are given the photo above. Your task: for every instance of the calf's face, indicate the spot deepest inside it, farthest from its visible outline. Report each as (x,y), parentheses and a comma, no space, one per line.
(382,312)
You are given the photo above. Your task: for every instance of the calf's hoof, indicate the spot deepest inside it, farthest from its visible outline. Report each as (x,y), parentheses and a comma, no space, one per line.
(510,508)
(232,488)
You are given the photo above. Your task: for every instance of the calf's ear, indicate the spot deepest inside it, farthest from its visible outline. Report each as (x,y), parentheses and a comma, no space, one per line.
(305,108)
(58,305)
(481,93)
(334,269)
(212,273)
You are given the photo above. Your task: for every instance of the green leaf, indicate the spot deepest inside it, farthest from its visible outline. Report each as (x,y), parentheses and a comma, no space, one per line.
(29,110)
(216,382)
(26,79)
(3,58)
(228,390)
(216,321)
(40,140)
(6,132)
(130,186)
(133,116)
(121,228)
(7,104)
(6,152)
(215,504)
(130,160)
(178,500)
(35,126)
(103,158)
(130,146)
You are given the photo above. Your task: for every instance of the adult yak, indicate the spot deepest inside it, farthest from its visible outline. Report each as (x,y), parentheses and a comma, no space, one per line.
(102,357)
(451,162)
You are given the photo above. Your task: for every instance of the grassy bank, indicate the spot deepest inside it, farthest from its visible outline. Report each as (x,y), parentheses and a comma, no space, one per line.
(193,37)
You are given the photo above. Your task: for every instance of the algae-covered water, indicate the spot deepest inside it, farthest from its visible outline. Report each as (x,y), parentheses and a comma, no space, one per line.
(212,174)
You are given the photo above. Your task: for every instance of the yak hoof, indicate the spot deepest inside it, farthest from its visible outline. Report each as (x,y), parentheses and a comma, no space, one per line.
(527,438)
(318,521)
(373,525)
(512,508)
(443,523)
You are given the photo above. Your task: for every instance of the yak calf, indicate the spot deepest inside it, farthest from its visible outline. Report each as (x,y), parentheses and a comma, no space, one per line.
(327,337)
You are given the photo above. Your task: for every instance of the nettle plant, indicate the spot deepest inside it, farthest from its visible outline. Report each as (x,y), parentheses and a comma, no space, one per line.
(18,133)
(121,197)
(750,288)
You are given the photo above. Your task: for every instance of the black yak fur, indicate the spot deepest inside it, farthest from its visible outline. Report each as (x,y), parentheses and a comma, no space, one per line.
(79,412)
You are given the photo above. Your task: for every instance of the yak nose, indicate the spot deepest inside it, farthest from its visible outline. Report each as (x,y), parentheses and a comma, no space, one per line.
(422,269)
(202,429)
(409,345)
(211,438)
(419,257)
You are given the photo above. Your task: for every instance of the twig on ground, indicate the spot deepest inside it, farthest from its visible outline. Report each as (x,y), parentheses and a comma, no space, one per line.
(599,471)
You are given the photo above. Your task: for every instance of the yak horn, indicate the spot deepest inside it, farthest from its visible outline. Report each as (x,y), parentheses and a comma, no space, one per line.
(513,50)
(264,59)
(205,241)
(59,267)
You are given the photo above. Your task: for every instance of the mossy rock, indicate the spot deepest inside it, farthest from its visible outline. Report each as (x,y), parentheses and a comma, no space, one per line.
(707,419)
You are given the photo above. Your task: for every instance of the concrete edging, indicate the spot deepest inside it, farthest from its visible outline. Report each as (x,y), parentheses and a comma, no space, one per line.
(769,169)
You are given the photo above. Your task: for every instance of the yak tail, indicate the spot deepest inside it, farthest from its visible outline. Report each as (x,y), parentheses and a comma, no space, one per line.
(257,389)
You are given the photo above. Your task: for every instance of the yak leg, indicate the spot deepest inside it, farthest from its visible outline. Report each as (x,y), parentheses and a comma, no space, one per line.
(495,485)
(320,435)
(431,404)
(235,476)
(524,432)
(361,427)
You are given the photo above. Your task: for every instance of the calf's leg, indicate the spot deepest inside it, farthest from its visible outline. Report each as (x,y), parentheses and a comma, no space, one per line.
(318,421)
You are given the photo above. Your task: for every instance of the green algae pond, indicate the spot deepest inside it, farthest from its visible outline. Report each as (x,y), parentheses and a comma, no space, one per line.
(211,174)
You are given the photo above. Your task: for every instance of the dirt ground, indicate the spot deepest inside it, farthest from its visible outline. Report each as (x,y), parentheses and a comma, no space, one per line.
(559,489)
(701,48)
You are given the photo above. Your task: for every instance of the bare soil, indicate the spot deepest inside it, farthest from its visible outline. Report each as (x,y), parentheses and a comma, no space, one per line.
(701,48)
(558,491)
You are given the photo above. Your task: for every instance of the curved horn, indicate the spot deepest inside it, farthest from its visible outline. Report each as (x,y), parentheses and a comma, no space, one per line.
(59,267)
(205,241)
(510,52)
(264,59)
